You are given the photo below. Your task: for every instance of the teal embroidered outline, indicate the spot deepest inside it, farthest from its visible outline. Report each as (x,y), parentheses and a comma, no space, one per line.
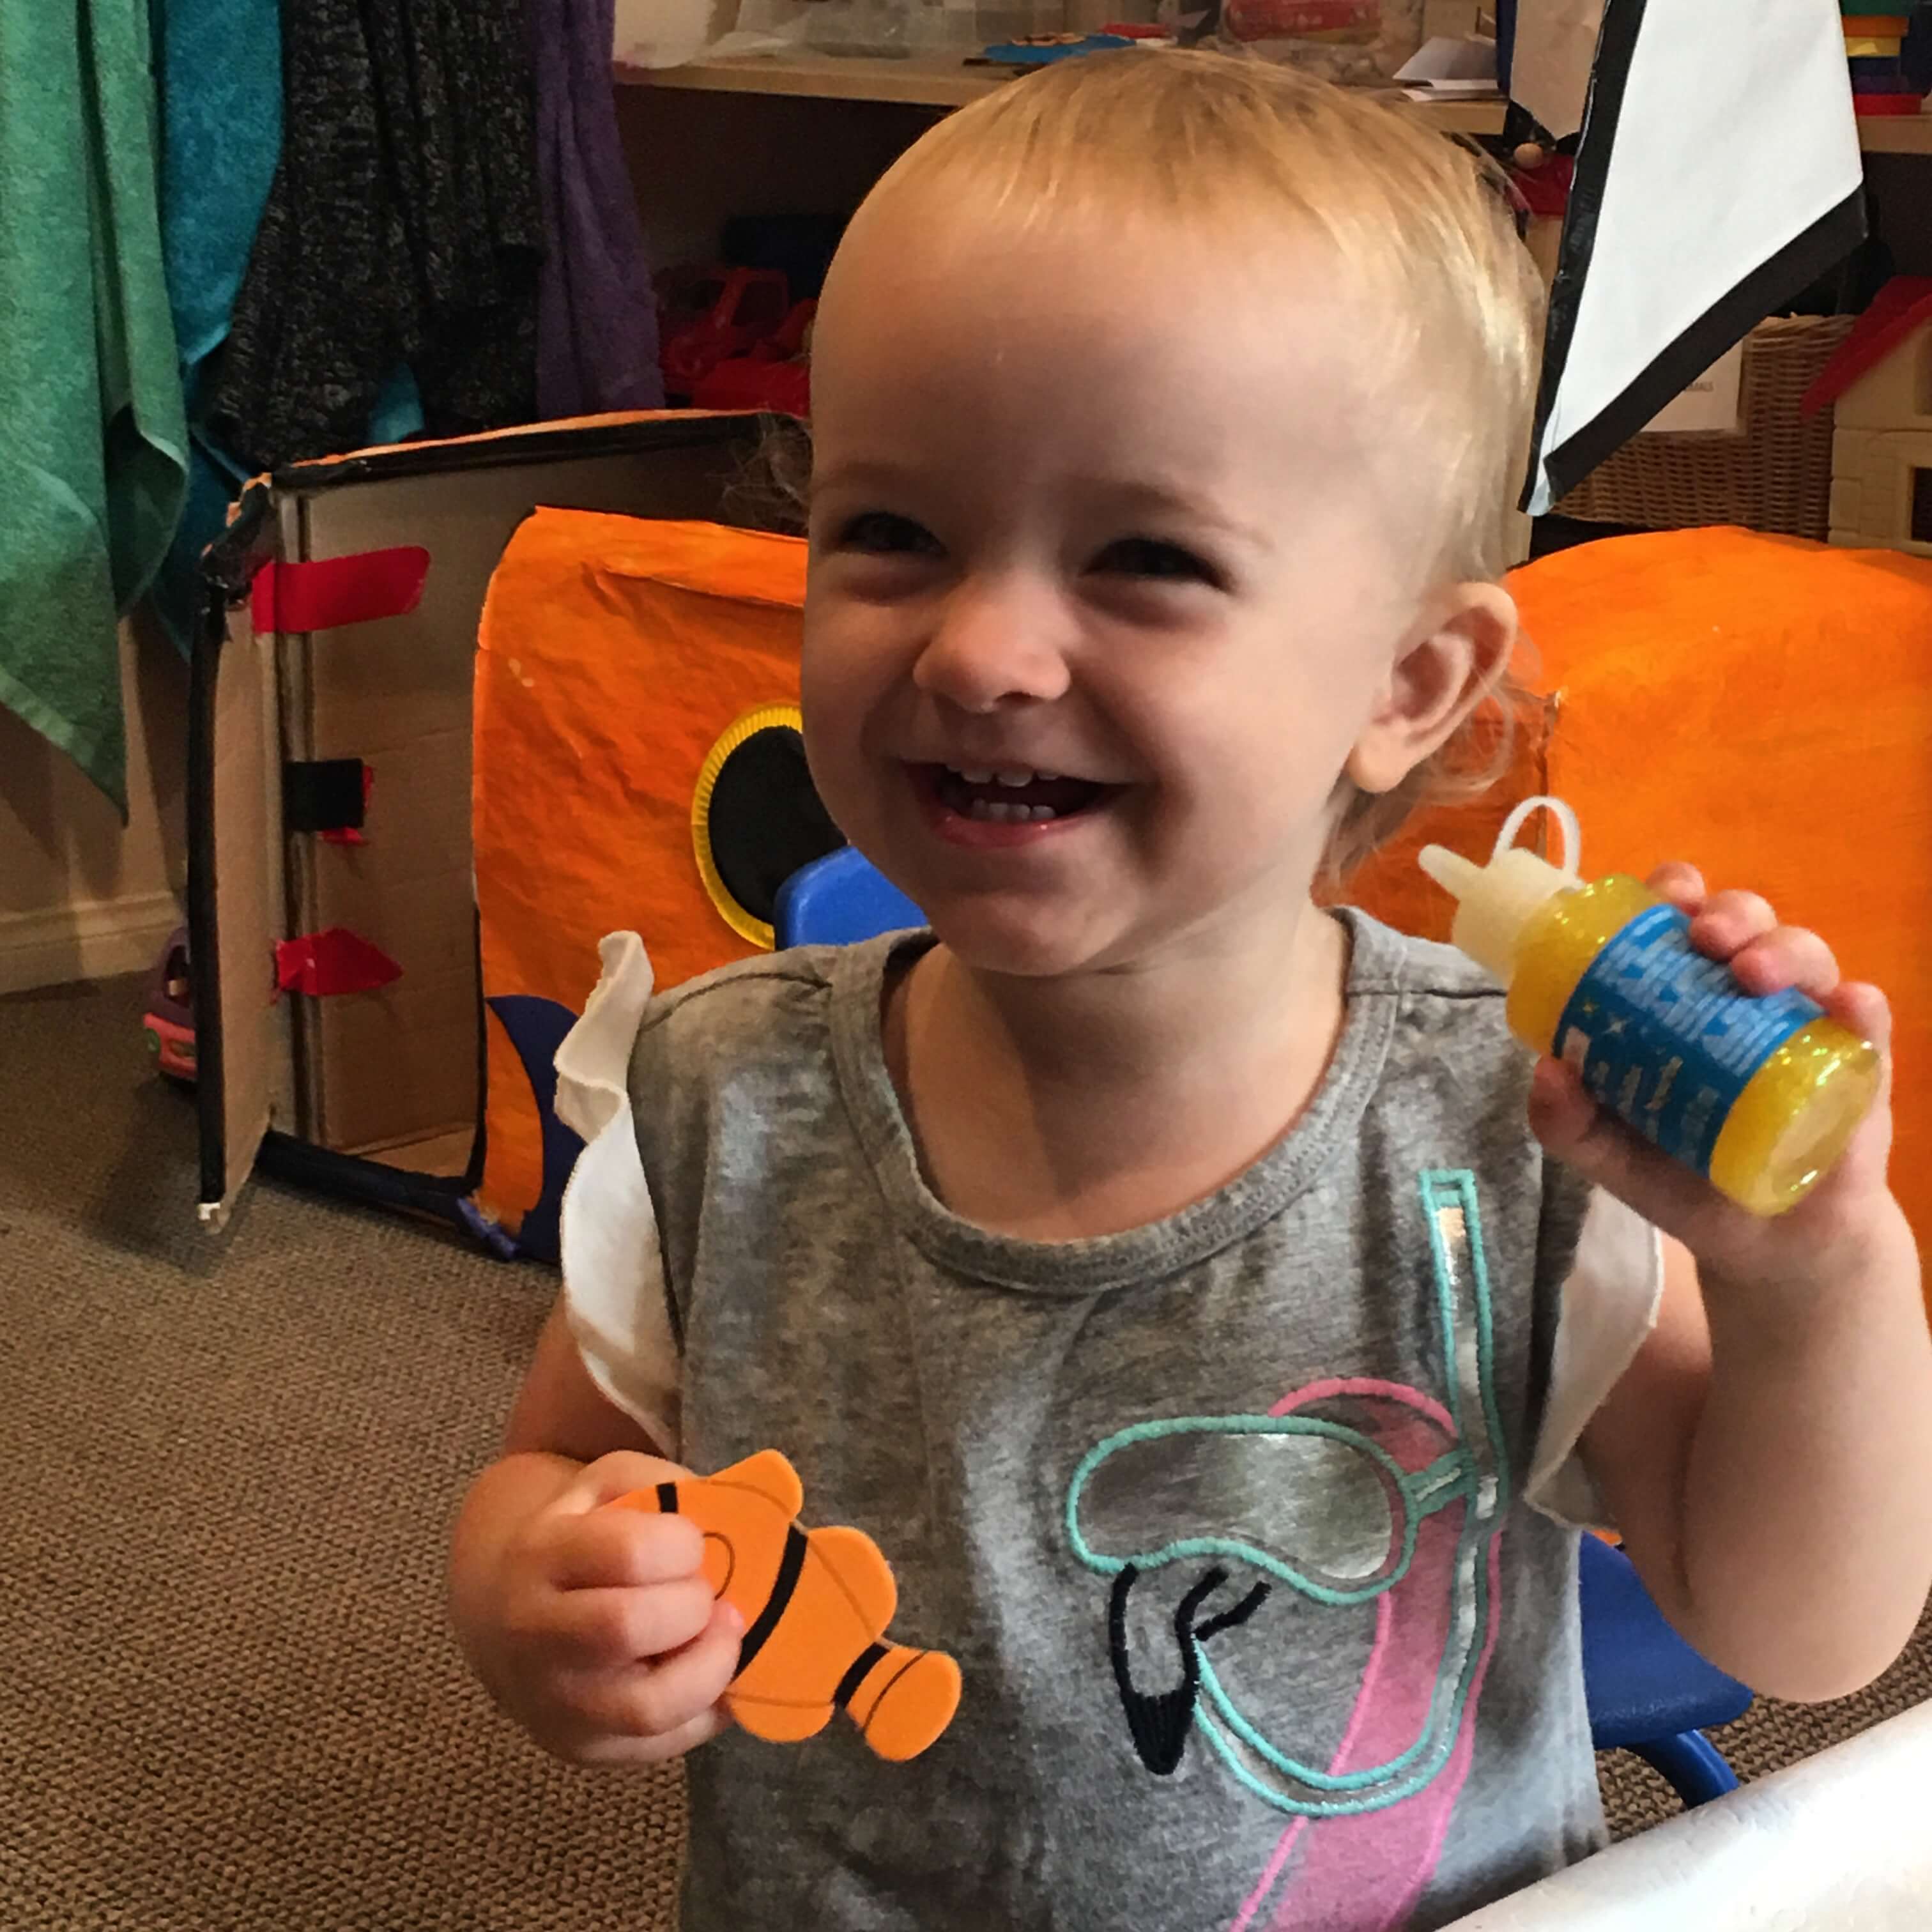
(1457,1475)
(1460,1183)
(1233,1546)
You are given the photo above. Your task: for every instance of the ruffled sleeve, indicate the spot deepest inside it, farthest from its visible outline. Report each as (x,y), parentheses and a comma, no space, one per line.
(615,1294)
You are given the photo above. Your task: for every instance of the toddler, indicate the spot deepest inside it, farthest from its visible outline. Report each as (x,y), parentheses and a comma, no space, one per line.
(1222,1327)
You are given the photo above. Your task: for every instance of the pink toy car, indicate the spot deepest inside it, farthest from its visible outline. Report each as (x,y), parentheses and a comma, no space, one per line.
(169,1021)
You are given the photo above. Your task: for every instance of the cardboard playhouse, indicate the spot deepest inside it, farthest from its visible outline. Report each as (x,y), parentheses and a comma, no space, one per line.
(461,709)
(338,991)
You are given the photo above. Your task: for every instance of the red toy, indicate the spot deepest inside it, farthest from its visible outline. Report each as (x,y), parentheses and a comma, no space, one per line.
(708,314)
(773,374)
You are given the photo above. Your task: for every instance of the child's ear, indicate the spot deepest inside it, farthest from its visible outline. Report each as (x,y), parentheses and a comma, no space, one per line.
(1456,652)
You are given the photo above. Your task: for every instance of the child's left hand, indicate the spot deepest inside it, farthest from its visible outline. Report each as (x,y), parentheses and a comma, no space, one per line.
(1844,1212)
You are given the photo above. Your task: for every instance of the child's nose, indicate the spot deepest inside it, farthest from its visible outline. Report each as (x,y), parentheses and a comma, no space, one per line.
(994,642)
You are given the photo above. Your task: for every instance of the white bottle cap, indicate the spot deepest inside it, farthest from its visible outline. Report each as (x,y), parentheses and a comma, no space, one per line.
(1495,902)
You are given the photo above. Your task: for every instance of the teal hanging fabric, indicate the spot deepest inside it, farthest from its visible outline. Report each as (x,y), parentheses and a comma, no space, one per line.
(221,64)
(220,68)
(93,466)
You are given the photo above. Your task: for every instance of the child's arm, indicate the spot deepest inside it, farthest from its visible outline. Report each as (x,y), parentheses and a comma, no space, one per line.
(1768,1455)
(591,1628)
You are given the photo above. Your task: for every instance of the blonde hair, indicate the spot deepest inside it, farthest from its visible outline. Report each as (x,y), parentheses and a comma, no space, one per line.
(1424,225)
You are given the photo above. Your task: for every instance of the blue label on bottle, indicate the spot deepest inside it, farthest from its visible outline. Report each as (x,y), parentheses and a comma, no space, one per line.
(1664,1038)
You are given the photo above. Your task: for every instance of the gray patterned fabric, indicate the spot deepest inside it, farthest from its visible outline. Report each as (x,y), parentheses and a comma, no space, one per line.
(403,226)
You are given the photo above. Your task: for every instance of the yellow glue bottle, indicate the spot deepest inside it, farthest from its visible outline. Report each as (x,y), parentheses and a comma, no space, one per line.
(1758,1094)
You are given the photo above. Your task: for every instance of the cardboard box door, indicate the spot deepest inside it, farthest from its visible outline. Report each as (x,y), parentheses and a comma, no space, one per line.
(235,895)
(315,1085)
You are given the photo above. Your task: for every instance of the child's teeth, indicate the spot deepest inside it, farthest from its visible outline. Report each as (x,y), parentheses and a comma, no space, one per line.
(1016,778)
(977,777)
(1001,813)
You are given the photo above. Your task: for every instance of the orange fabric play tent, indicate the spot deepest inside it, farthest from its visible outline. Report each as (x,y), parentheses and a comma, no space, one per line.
(615,653)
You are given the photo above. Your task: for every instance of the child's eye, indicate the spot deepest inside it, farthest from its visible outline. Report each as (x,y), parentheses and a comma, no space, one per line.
(1164,562)
(881,533)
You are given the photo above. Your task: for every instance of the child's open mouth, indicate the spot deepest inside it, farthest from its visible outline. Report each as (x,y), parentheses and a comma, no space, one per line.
(1010,797)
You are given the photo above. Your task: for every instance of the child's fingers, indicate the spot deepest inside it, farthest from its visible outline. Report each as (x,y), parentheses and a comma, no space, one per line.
(624,1750)
(615,1548)
(1787,956)
(1863,1009)
(611,1627)
(612,1476)
(1682,885)
(1730,922)
(1602,1149)
(651,1700)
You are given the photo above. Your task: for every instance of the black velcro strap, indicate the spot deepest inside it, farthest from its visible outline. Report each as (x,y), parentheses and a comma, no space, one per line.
(848,1685)
(783,1585)
(322,794)
(668,1498)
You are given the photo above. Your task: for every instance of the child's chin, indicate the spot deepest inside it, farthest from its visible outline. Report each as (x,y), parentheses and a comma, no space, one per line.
(1014,948)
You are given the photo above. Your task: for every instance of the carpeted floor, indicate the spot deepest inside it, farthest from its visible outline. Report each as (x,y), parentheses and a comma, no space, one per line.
(229,1704)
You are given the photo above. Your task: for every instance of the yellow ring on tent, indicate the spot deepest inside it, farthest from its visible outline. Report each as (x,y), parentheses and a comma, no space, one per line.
(761,718)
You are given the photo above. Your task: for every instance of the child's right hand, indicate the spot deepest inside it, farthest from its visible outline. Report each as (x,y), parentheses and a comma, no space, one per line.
(602,1638)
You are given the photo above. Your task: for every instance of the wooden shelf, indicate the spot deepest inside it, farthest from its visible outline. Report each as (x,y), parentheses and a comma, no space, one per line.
(1896,133)
(926,80)
(943,80)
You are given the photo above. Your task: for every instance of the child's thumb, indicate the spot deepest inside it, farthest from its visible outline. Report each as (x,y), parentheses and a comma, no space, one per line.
(617,1474)
(1595,1145)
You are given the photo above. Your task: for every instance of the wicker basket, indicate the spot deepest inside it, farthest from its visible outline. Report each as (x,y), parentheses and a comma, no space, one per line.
(1774,474)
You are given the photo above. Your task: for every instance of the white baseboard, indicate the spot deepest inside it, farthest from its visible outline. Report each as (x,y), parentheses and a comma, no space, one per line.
(97,940)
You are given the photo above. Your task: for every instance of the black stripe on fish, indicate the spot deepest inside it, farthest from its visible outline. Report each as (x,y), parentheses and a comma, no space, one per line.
(783,1585)
(848,1685)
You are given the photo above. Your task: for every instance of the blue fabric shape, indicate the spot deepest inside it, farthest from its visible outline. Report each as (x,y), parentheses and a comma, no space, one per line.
(537,1027)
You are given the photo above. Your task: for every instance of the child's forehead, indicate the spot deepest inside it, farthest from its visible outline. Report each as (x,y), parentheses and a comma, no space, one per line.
(1132,298)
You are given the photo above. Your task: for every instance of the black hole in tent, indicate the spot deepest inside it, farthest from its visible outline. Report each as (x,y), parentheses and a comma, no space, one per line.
(765,819)
(1921,506)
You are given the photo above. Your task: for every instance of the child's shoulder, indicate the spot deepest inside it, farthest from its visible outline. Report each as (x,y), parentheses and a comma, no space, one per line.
(763,1011)
(760,998)
(1400,966)
(1439,1016)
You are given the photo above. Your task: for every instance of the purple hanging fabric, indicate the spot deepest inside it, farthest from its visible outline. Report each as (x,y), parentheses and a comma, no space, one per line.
(597,327)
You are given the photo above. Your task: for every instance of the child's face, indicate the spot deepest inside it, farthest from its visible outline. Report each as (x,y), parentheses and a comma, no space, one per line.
(1101,506)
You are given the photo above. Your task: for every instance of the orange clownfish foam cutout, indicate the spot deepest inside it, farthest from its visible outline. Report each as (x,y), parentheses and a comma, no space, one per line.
(816,1603)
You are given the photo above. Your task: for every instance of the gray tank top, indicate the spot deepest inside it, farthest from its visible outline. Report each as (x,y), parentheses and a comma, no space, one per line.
(1222,1517)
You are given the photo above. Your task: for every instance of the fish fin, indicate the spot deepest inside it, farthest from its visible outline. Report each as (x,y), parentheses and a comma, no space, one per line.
(856,1565)
(777,1723)
(768,1474)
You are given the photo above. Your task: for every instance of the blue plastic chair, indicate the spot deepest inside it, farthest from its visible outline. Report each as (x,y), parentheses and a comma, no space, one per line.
(837,900)
(1648,1690)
